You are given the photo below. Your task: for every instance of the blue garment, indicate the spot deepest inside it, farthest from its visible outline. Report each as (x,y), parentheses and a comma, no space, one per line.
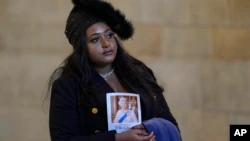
(123,117)
(163,129)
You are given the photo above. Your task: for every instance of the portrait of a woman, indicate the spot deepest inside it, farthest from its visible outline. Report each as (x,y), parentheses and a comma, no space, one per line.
(125,115)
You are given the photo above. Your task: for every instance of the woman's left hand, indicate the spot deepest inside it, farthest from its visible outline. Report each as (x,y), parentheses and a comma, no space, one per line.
(140,126)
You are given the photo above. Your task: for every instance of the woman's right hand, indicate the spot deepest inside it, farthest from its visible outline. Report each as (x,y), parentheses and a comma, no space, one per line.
(135,135)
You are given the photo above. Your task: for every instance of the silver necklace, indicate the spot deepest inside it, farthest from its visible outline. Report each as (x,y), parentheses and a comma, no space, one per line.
(107,74)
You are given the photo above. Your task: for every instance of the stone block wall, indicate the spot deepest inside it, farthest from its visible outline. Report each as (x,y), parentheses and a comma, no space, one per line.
(198,49)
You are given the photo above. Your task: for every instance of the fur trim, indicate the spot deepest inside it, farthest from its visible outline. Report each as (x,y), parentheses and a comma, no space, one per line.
(113,17)
(79,2)
(76,2)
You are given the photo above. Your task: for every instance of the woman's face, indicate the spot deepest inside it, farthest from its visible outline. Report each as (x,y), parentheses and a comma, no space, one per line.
(124,105)
(101,44)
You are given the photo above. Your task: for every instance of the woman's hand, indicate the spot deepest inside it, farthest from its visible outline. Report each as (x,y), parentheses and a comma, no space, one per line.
(140,126)
(134,135)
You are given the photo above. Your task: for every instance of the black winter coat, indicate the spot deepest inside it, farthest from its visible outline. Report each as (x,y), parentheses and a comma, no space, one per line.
(72,119)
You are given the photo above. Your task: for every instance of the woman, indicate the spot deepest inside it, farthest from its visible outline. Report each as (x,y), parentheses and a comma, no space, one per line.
(99,65)
(124,115)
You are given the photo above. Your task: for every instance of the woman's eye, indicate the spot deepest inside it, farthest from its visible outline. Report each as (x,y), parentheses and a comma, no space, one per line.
(94,40)
(111,35)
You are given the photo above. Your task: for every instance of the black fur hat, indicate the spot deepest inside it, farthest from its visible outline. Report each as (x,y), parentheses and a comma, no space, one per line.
(88,12)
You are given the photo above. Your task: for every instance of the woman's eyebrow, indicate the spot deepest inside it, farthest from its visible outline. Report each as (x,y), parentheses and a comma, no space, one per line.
(99,33)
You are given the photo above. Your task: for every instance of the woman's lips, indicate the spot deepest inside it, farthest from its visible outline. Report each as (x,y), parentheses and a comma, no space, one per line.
(107,53)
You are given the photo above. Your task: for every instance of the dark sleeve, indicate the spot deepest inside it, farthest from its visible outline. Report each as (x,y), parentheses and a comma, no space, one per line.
(165,111)
(162,109)
(64,124)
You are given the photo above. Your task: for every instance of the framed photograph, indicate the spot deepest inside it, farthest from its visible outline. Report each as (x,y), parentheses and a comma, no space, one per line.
(123,110)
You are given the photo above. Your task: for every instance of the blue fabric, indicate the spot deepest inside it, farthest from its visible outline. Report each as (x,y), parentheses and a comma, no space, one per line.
(163,129)
(123,117)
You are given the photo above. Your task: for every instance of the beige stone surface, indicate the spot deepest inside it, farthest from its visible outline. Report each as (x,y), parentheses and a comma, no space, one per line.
(6,122)
(190,122)
(248,77)
(240,118)
(187,42)
(3,14)
(198,49)
(151,11)
(197,124)
(36,37)
(194,124)
(24,78)
(196,12)
(2,45)
(225,86)
(35,11)
(128,7)
(176,12)
(239,11)
(214,126)
(9,66)
(30,124)
(181,80)
(209,89)
(207,12)
(231,43)
(181,115)
(147,41)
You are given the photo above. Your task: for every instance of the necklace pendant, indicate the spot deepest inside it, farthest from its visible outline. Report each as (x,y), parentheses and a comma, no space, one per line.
(106,75)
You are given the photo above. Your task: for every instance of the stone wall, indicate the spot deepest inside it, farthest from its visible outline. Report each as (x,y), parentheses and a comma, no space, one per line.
(198,49)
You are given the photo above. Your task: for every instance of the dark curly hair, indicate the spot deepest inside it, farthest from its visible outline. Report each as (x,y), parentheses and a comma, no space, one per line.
(77,64)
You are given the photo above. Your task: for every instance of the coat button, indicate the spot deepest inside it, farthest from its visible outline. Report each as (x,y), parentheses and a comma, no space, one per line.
(97,131)
(94,110)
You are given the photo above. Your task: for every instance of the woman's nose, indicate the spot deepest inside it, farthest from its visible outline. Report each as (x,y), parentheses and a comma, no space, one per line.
(105,43)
